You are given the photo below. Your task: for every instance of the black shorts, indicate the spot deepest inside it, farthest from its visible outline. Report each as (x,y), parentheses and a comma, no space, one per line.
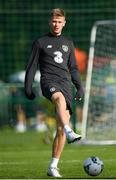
(49,88)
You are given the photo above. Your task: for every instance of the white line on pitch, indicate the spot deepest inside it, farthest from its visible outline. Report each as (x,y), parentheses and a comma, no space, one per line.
(45,162)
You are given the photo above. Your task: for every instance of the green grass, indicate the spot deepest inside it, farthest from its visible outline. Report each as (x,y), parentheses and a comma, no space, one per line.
(26,156)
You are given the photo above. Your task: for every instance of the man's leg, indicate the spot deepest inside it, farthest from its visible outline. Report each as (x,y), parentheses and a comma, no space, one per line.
(61,110)
(63,117)
(60,137)
(59,142)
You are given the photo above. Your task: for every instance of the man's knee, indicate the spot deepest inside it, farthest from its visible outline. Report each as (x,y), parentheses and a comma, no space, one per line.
(60,131)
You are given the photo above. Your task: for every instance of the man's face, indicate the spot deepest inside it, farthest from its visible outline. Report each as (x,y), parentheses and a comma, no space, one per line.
(57,23)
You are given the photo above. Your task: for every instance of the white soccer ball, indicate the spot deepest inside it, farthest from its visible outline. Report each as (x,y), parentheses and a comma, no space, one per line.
(93,166)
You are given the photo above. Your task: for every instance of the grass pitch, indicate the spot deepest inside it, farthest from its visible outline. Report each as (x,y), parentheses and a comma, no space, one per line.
(26,156)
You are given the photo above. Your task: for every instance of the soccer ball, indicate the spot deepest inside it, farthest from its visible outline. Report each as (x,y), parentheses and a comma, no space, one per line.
(93,166)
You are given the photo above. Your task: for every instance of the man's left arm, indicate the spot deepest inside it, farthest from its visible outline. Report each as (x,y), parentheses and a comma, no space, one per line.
(75,75)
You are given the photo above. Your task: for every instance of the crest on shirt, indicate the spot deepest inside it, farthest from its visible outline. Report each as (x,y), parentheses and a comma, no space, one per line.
(65,48)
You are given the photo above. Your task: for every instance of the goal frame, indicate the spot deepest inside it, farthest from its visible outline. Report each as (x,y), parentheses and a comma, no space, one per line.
(88,87)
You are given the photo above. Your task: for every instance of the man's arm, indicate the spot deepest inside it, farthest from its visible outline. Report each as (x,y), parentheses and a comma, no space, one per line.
(75,75)
(31,70)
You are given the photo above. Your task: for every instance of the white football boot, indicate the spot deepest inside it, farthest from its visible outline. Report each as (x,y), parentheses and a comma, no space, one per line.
(72,137)
(54,172)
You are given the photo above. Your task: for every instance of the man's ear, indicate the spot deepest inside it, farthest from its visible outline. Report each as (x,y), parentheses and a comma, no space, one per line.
(64,23)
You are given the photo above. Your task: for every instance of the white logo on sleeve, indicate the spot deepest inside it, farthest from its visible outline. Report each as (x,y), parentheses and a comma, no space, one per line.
(58,57)
(49,46)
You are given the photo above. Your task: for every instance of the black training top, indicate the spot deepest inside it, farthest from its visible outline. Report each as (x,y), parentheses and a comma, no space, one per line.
(54,56)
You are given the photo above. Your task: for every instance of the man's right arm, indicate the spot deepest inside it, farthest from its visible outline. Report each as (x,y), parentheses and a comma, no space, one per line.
(31,70)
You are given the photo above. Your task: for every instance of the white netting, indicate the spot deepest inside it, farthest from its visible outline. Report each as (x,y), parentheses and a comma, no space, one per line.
(100,99)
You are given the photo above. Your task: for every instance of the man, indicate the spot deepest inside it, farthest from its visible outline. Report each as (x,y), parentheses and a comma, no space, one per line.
(55,56)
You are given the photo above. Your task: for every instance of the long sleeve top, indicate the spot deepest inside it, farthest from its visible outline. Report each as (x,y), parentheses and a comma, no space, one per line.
(55,58)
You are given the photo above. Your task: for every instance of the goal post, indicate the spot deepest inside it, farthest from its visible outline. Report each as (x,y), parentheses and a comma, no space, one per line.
(99,110)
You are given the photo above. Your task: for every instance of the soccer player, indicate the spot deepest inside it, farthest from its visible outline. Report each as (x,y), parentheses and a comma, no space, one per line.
(54,54)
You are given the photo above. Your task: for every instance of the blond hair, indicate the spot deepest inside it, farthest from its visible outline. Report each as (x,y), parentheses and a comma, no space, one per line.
(58,12)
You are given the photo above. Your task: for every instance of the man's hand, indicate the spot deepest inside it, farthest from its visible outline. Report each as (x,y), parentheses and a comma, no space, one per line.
(79,95)
(30,96)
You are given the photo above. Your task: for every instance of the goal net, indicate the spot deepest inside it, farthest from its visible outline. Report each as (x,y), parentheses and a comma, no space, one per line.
(99,112)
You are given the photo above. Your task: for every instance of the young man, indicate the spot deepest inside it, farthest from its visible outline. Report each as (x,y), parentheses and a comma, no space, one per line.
(55,56)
